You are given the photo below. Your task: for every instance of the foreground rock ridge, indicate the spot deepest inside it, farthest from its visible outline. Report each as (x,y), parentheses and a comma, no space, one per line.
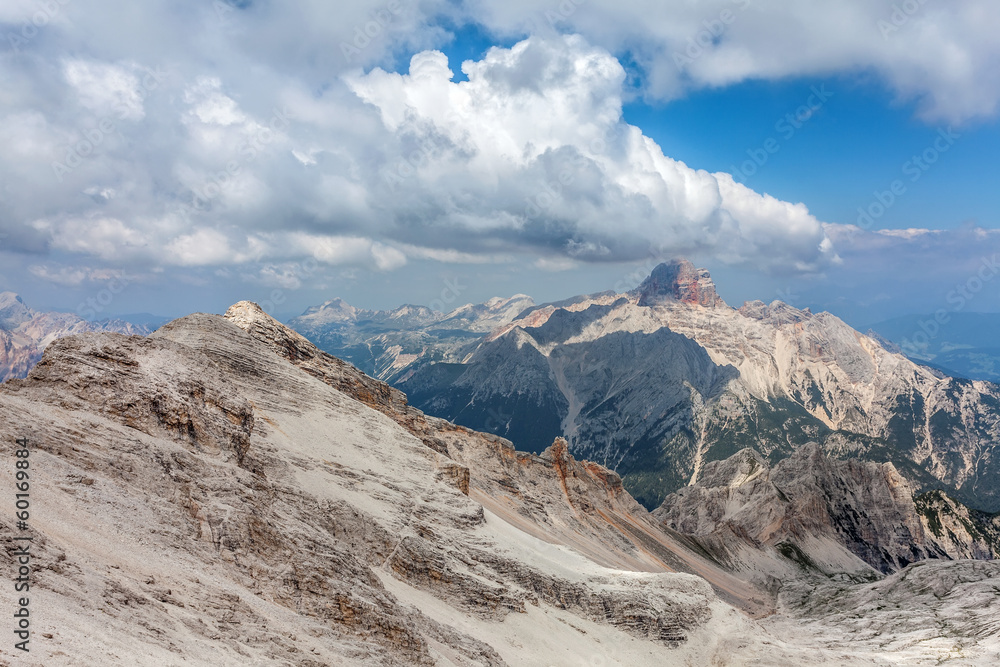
(222,492)
(658,381)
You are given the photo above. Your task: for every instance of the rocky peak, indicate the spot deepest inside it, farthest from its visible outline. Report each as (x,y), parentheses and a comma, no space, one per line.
(334,310)
(777,312)
(741,468)
(13,311)
(679,280)
(251,318)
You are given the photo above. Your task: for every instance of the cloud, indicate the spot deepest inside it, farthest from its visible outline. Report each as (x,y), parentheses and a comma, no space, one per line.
(531,154)
(191,137)
(135,163)
(104,88)
(944,56)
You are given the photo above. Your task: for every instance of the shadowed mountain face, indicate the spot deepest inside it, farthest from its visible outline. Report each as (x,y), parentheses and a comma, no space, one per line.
(24,333)
(657,382)
(223,492)
(614,398)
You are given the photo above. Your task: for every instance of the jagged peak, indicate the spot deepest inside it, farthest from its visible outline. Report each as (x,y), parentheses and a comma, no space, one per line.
(8,298)
(742,467)
(13,310)
(679,280)
(250,317)
(248,312)
(557,451)
(777,309)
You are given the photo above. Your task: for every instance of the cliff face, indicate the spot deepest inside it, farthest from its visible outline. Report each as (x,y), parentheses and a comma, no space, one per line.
(960,531)
(823,515)
(679,281)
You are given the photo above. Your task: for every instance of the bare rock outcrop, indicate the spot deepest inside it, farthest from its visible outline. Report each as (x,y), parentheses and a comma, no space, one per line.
(680,281)
(962,532)
(822,515)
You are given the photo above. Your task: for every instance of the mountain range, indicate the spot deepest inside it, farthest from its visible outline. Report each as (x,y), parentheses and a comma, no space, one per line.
(659,381)
(25,333)
(223,492)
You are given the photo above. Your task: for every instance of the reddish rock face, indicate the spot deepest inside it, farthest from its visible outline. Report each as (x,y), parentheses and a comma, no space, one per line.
(681,281)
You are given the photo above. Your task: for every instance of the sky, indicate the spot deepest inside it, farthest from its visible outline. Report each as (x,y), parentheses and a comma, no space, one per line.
(170,157)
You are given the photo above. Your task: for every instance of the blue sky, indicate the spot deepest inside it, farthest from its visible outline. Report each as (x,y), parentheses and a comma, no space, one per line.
(217,151)
(835,160)
(854,145)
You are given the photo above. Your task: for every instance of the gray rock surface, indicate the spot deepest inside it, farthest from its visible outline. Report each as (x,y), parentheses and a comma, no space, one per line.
(222,492)
(810,512)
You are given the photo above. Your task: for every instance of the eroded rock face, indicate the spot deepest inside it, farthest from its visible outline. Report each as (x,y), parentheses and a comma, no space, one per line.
(961,532)
(820,514)
(679,280)
(150,386)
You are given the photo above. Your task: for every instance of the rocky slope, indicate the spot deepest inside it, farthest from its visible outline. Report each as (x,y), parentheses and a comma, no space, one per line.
(656,382)
(24,333)
(929,613)
(224,493)
(212,497)
(815,513)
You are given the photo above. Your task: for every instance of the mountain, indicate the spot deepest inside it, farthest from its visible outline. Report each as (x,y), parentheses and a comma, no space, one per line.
(385,343)
(222,492)
(656,382)
(24,333)
(812,512)
(959,344)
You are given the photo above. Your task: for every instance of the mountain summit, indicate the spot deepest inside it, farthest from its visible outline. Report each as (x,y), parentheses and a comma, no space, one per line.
(13,311)
(681,281)
(657,382)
